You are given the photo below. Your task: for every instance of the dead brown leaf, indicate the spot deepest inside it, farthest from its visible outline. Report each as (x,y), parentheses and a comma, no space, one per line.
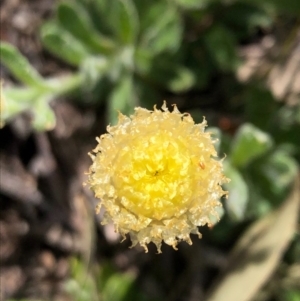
(258,252)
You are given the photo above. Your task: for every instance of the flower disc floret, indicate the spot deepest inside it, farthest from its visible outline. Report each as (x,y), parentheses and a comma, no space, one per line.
(157,176)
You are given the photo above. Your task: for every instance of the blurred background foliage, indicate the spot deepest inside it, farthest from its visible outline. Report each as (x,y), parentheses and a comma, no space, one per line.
(237,62)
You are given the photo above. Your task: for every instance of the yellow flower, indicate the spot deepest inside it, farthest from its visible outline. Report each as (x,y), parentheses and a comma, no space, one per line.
(157,176)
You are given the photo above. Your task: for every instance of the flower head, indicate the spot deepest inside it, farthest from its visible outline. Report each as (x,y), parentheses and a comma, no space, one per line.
(157,176)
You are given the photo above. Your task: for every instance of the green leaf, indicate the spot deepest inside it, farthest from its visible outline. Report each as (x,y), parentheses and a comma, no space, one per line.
(236,203)
(122,99)
(99,15)
(221,46)
(62,44)
(120,19)
(182,81)
(127,21)
(82,285)
(273,174)
(143,60)
(162,34)
(93,70)
(117,287)
(102,5)
(66,84)
(165,72)
(18,99)
(248,144)
(44,117)
(291,294)
(192,4)
(32,99)
(76,20)
(126,57)
(19,66)
(258,205)
(103,274)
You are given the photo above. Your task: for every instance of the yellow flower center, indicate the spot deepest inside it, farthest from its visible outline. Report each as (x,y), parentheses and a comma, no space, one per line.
(155,176)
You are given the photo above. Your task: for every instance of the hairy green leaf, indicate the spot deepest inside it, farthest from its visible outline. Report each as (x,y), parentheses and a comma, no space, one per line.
(122,99)
(19,66)
(276,172)
(94,71)
(192,4)
(165,72)
(117,287)
(128,21)
(76,20)
(236,203)
(44,117)
(182,80)
(162,34)
(248,144)
(62,44)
